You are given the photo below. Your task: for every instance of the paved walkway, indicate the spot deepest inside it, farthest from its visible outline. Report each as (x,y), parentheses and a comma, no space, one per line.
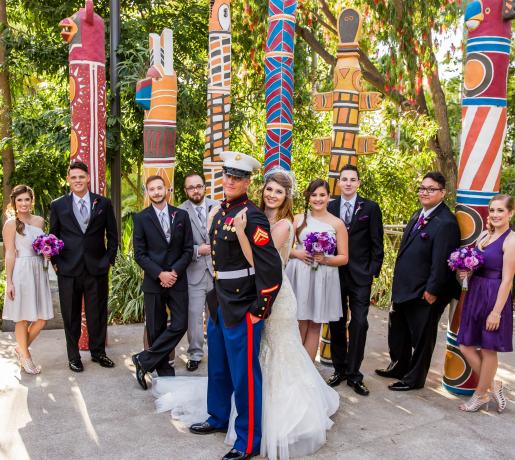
(102,413)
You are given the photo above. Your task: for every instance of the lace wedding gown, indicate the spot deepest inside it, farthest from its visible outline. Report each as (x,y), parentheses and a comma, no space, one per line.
(297,403)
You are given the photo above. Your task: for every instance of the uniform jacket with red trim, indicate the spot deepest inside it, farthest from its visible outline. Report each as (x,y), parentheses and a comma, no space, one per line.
(254,293)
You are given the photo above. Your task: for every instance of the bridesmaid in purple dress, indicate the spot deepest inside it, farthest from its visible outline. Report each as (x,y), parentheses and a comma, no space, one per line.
(487,318)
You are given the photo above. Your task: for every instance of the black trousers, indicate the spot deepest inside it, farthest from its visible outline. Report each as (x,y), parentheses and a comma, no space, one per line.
(71,291)
(162,338)
(412,332)
(347,357)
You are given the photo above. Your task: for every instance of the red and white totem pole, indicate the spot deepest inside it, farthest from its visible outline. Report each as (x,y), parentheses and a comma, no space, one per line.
(484,112)
(84,32)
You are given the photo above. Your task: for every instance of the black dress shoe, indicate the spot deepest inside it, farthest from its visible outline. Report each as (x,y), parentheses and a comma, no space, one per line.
(388,373)
(359,387)
(140,372)
(103,360)
(205,428)
(76,365)
(402,386)
(192,365)
(235,454)
(336,379)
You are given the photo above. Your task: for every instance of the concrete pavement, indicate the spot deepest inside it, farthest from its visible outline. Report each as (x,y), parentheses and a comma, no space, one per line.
(103,413)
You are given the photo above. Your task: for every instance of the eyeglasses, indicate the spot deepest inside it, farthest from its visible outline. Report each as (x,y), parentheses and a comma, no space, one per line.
(194,187)
(429,190)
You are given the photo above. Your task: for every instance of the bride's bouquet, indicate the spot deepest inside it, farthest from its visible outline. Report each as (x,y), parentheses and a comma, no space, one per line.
(47,245)
(319,243)
(468,259)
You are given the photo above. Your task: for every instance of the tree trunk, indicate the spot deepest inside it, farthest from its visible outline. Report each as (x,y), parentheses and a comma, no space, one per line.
(5,114)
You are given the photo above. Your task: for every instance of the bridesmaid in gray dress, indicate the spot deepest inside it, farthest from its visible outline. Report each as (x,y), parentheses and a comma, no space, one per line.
(317,291)
(28,301)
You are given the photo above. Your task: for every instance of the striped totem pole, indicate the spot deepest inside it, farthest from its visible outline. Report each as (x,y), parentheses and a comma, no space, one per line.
(218,95)
(84,32)
(346,101)
(279,83)
(484,109)
(157,94)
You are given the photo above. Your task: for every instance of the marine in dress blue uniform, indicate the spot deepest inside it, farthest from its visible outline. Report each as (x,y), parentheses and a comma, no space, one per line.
(242,299)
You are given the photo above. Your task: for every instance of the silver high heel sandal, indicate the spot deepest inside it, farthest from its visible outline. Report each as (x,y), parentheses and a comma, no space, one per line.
(29,367)
(475,403)
(499,396)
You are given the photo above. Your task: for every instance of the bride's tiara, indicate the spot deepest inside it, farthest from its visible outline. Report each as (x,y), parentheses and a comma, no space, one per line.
(290,176)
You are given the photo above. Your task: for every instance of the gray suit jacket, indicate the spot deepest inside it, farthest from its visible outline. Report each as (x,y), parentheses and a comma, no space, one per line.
(198,265)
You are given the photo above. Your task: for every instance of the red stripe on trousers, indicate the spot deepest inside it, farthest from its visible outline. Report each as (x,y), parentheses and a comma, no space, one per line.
(250,374)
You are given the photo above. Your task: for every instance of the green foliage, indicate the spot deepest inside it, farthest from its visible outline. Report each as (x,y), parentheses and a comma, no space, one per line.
(126,298)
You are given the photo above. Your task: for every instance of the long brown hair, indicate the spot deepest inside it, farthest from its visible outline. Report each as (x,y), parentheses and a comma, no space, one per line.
(285,211)
(313,185)
(11,209)
(510,205)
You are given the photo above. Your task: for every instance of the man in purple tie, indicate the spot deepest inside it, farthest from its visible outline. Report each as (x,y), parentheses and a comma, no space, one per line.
(423,285)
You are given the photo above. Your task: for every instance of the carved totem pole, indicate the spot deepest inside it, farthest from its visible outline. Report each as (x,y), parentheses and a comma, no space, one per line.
(218,95)
(484,111)
(346,101)
(157,94)
(84,32)
(279,83)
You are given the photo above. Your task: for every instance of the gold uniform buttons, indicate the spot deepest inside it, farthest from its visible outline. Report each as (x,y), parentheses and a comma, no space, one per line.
(213,252)
(237,290)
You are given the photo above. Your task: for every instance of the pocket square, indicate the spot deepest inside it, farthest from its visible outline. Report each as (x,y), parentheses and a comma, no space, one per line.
(424,236)
(363,218)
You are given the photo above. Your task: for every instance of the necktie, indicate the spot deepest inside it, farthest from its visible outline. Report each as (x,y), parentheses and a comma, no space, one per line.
(420,221)
(202,220)
(347,217)
(165,224)
(84,213)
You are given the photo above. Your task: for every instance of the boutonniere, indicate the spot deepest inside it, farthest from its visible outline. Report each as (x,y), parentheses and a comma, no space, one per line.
(424,236)
(95,202)
(358,207)
(363,218)
(173,216)
(424,223)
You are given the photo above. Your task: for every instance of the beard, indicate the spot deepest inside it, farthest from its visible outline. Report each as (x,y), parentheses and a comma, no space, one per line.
(196,199)
(157,200)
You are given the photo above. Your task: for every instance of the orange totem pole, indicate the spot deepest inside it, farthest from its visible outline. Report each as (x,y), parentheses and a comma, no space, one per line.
(346,101)
(84,32)
(157,94)
(218,95)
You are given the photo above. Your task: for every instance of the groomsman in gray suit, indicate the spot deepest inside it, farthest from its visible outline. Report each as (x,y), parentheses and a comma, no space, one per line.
(200,270)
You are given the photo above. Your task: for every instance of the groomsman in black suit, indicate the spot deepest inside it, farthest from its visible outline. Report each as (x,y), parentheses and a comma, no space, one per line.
(163,247)
(423,285)
(364,224)
(85,222)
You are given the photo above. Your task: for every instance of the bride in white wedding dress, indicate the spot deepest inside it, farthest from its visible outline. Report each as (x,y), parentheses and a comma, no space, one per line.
(297,403)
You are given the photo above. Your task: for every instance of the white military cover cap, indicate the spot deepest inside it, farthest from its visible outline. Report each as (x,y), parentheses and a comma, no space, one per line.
(239,164)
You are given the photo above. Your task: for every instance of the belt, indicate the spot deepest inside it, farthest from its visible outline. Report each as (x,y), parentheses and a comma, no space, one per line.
(234,274)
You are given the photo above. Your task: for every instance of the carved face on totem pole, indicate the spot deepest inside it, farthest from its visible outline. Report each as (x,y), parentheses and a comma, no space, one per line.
(81,32)
(220,19)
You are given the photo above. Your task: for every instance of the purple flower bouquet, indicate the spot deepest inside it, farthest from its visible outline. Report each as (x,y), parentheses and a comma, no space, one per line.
(466,259)
(319,243)
(47,245)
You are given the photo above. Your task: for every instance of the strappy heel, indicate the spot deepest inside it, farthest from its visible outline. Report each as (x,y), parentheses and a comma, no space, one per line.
(499,396)
(475,403)
(29,367)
